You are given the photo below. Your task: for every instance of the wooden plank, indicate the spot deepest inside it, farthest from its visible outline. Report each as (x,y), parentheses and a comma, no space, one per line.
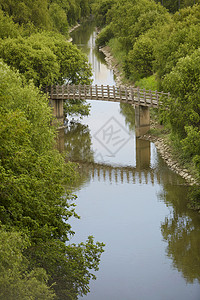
(114,93)
(108,91)
(132,96)
(62,91)
(96,91)
(52,92)
(57,92)
(157,98)
(85,94)
(151,99)
(138,95)
(126,94)
(102,92)
(120,93)
(145,100)
(74,91)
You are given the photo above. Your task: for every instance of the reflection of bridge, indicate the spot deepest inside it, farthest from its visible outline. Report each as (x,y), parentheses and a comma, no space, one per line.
(120,174)
(142,172)
(140,98)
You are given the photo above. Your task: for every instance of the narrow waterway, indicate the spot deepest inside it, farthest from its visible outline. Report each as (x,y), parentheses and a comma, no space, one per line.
(131,201)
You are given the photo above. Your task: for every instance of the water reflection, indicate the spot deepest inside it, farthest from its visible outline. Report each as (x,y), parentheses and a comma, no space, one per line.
(76,141)
(128,112)
(182,233)
(84,37)
(138,208)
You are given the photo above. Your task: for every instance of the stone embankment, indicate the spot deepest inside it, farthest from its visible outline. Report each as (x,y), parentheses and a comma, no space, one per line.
(166,154)
(74,27)
(161,145)
(112,64)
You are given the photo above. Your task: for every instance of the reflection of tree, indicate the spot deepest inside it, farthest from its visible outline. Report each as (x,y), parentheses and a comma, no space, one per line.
(82,35)
(78,143)
(182,232)
(78,147)
(128,112)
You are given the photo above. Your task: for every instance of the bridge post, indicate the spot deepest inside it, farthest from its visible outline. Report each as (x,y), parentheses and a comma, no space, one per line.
(143,154)
(60,140)
(142,120)
(57,107)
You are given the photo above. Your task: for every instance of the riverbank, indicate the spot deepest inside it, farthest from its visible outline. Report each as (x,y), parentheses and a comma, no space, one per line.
(161,144)
(74,27)
(113,65)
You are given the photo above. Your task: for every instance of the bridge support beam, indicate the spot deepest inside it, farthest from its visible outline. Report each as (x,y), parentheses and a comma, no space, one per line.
(60,140)
(57,107)
(143,154)
(142,120)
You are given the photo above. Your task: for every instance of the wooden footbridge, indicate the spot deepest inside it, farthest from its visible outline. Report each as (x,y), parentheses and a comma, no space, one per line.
(140,98)
(131,95)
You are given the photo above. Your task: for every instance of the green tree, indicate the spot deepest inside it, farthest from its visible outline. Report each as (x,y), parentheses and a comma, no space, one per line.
(173,6)
(59,18)
(7,27)
(25,11)
(16,280)
(101,11)
(34,183)
(177,38)
(46,58)
(139,62)
(32,58)
(183,84)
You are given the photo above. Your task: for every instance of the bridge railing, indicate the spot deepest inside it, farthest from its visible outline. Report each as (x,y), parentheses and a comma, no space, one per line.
(107,93)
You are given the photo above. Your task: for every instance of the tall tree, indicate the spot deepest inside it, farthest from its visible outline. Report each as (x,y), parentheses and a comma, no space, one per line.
(33,188)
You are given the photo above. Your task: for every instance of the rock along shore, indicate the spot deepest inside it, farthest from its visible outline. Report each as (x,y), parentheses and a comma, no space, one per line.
(161,145)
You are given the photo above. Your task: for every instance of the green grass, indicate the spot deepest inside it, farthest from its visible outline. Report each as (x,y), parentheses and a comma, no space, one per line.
(117,50)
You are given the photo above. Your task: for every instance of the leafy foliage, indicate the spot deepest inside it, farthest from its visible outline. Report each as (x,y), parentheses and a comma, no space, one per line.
(101,11)
(59,18)
(34,200)
(16,281)
(174,5)
(46,58)
(105,35)
(7,27)
(46,14)
(183,84)
(139,63)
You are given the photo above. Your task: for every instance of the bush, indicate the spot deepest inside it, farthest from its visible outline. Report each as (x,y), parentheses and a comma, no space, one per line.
(104,36)
(148,83)
(139,62)
(183,83)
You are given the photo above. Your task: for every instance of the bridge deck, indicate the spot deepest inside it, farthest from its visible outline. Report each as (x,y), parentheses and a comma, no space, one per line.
(134,96)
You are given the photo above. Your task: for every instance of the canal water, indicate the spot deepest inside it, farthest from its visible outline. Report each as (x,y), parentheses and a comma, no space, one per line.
(131,201)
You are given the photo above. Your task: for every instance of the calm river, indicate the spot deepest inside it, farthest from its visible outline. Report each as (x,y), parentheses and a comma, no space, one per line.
(131,201)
